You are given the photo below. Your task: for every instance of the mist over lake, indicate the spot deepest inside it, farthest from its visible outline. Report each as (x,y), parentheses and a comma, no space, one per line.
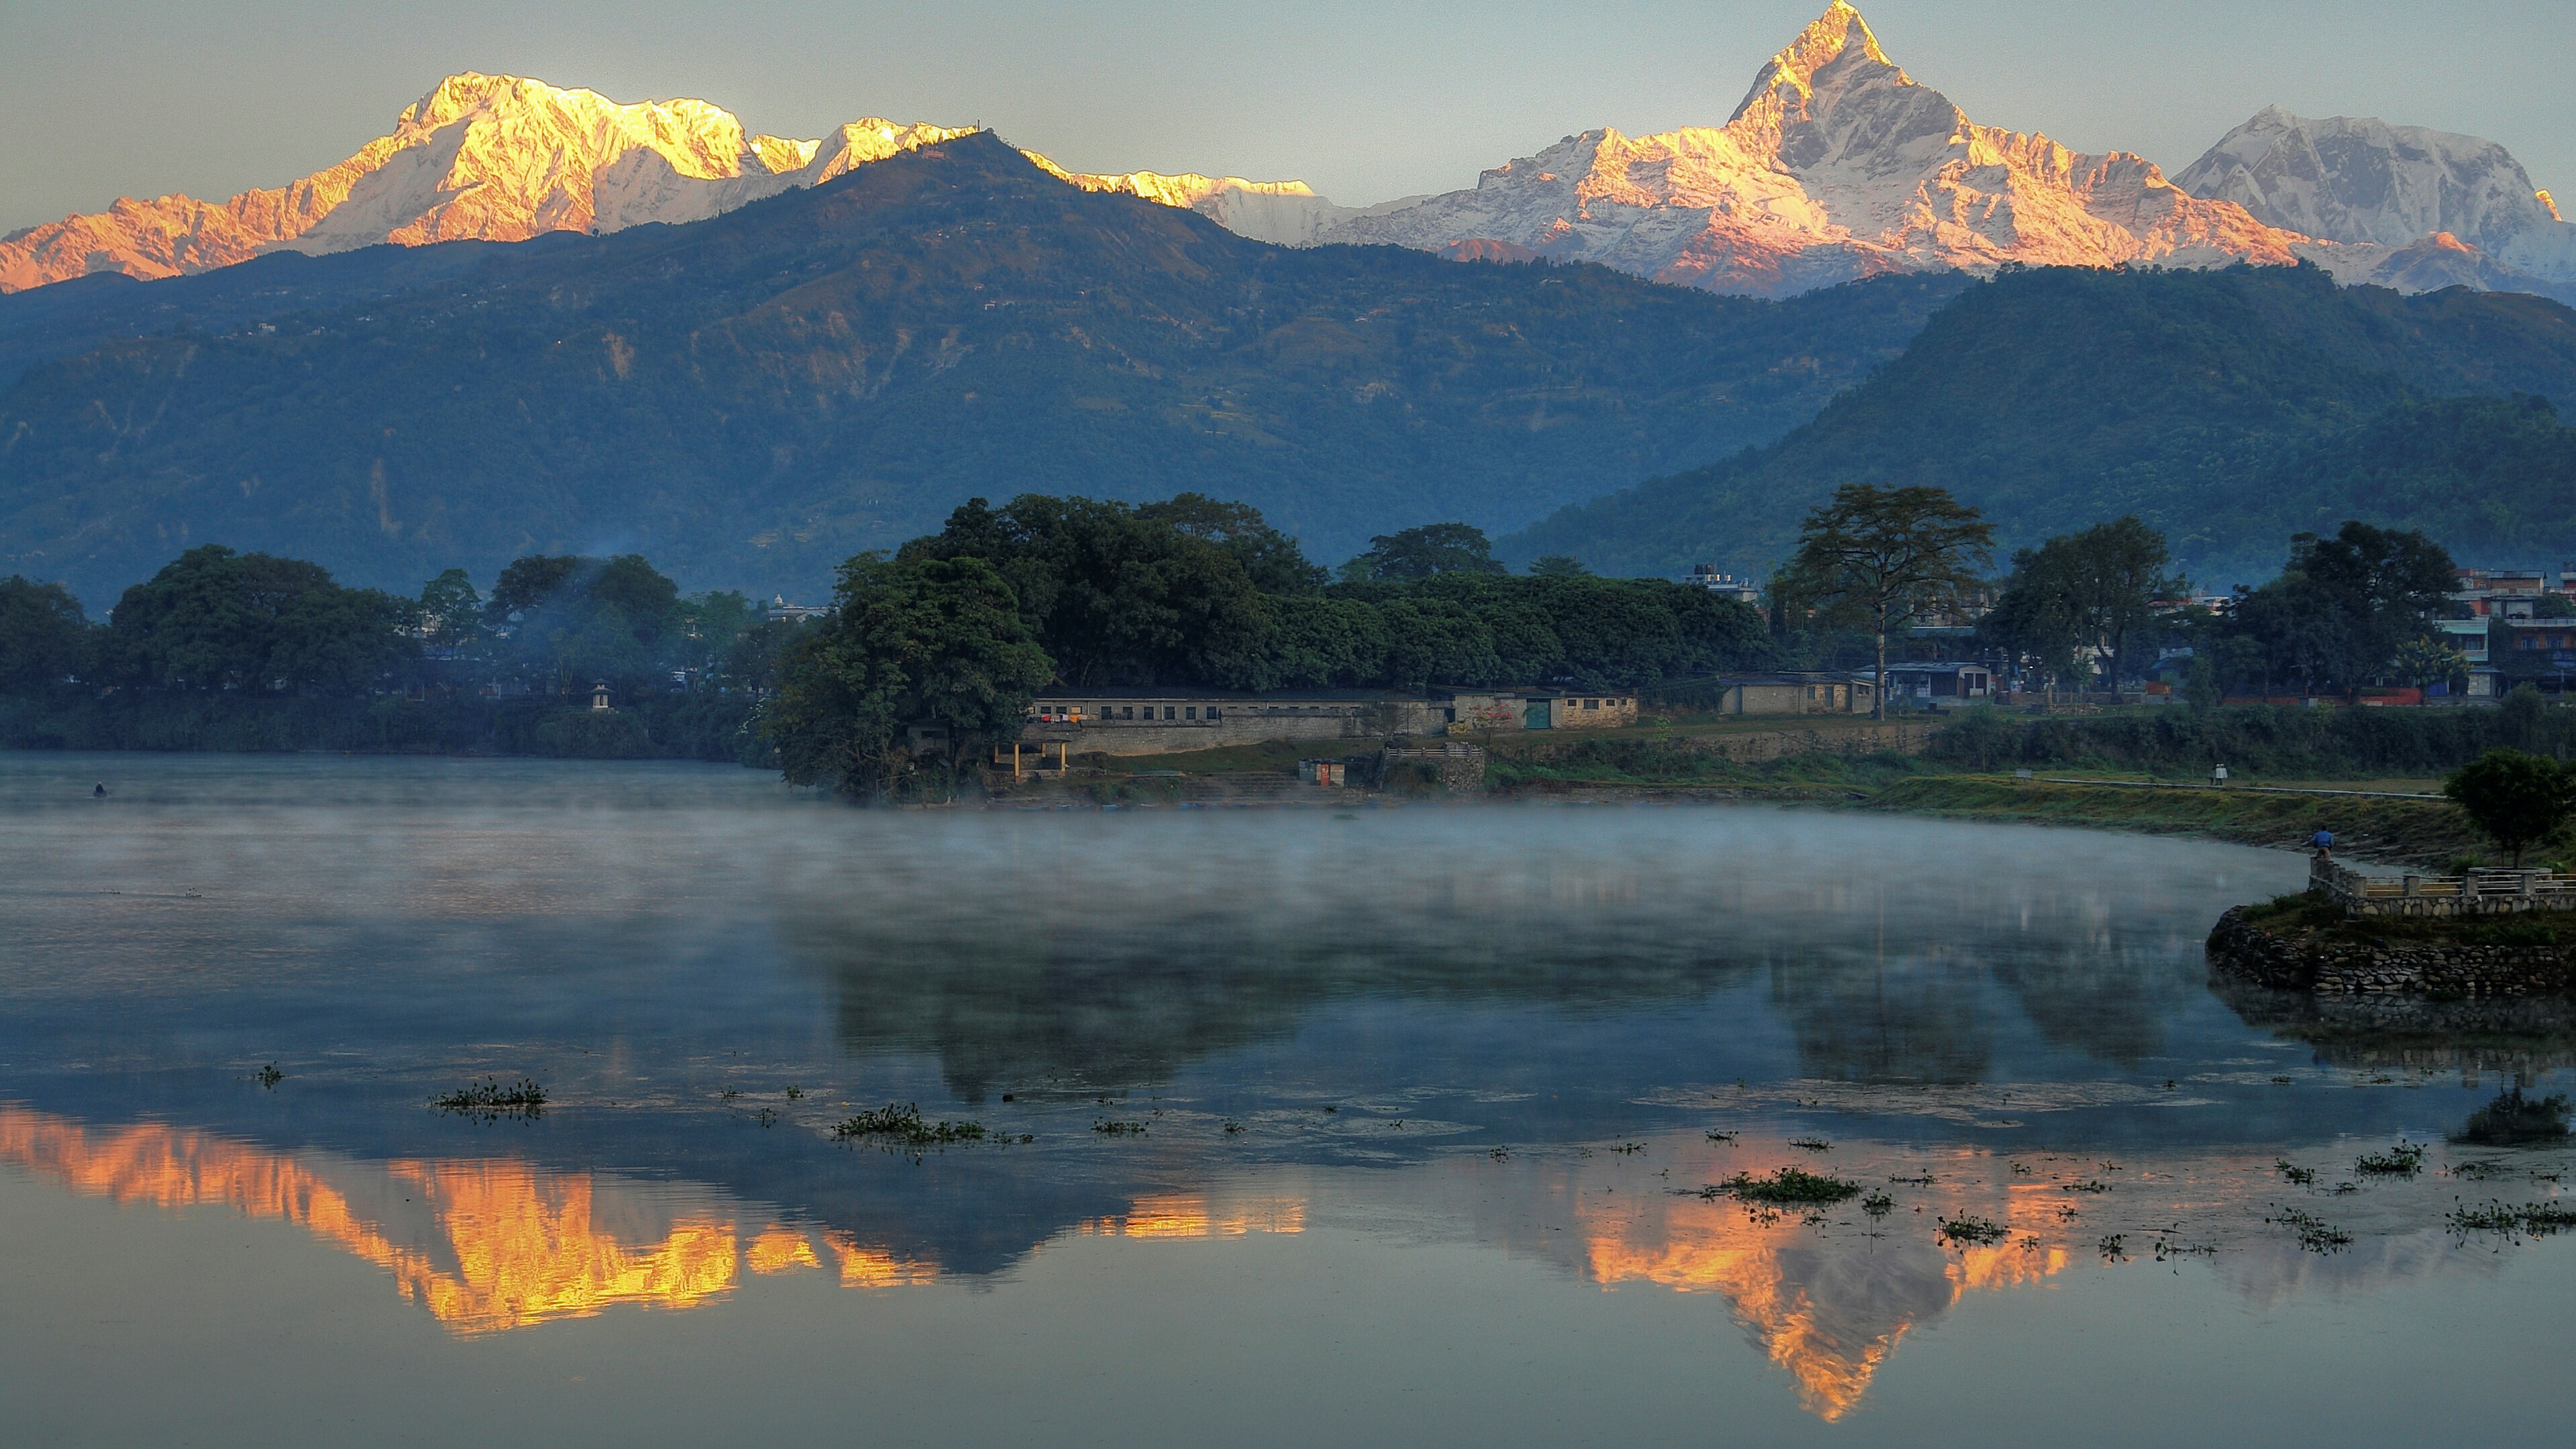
(1293,1123)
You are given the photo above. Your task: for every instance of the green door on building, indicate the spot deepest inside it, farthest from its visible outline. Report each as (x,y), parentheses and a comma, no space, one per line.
(1538,714)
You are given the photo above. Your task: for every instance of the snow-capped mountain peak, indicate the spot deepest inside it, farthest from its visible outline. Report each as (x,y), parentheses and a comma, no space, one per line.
(2403,206)
(1837,164)
(1785,84)
(495,157)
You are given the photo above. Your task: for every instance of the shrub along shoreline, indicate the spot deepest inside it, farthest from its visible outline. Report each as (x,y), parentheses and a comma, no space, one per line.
(719,728)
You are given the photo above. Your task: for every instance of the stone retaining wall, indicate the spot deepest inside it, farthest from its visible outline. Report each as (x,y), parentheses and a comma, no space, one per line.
(2250,953)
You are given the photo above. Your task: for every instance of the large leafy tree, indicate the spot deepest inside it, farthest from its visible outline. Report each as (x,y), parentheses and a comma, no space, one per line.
(1421,553)
(911,642)
(563,623)
(216,619)
(1114,596)
(43,634)
(1881,558)
(451,610)
(2341,611)
(2085,596)
(2520,800)
(1270,559)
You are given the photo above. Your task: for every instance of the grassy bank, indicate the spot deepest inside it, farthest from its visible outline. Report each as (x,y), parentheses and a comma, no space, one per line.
(2432,832)
(2266,741)
(2311,919)
(1647,766)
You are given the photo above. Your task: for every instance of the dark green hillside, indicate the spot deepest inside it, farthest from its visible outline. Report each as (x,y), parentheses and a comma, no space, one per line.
(753,398)
(2228,409)
(65,319)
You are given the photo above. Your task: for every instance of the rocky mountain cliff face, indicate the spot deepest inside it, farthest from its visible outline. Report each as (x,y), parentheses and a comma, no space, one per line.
(1836,165)
(2403,206)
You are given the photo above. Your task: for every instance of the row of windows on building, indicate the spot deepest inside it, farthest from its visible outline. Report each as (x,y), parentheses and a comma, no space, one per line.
(1078,713)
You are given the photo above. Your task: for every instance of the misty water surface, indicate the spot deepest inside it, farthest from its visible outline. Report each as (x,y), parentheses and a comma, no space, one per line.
(1368,1125)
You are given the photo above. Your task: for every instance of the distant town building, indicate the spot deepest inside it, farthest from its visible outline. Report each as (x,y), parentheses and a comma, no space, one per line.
(1536,709)
(2509,593)
(1940,681)
(1163,721)
(1753,694)
(779,609)
(1707,576)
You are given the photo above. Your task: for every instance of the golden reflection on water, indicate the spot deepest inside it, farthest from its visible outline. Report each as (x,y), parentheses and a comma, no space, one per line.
(1193,1215)
(1829,1318)
(489,1244)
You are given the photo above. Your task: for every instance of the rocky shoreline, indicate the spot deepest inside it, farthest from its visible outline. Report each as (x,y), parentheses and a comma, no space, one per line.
(2247,952)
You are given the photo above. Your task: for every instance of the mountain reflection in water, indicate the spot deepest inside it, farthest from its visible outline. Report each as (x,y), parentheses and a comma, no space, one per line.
(1534,1033)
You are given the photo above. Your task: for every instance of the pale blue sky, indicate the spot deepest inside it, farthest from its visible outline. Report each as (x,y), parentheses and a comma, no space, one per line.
(1365,100)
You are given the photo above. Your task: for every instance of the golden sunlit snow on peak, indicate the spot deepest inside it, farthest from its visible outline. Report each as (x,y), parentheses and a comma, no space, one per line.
(1821,43)
(488,157)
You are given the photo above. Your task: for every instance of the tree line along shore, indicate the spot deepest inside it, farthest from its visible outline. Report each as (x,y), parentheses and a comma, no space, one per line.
(607,658)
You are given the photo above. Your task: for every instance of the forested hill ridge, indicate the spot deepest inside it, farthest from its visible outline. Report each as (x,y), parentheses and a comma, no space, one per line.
(755,397)
(2228,409)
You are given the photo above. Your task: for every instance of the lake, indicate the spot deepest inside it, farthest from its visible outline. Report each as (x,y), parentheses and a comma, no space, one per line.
(1359,1126)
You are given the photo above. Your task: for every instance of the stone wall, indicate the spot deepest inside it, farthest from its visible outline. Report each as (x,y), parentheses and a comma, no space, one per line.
(2250,953)
(1241,723)
(1458,769)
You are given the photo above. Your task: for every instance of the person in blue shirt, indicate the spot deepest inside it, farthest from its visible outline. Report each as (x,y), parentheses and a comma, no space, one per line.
(2323,840)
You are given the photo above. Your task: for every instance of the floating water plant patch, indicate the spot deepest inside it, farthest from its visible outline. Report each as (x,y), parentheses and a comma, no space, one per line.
(2536,1219)
(2403,1160)
(2315,1234)
(1788,1187)
(2303,1176)
(1970,1229)
(904,1126)
(490,1101)
(1107,1128)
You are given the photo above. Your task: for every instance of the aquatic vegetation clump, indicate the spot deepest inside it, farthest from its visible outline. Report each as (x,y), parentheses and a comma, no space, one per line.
(2403,1160)
(2303,1176)
(1879,1203)
(269,1076)
(1811,1144)
(490,1101)
(904,1126)
(1966,1228)
(2533,1219)
(1107,1128)
(2315,1234)
(1786,1187)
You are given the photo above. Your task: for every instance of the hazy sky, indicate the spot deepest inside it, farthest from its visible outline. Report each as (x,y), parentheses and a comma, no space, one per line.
(1365,100)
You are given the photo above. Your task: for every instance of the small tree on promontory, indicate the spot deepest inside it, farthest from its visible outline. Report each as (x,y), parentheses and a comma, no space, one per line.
(1881,558)
(2520,800)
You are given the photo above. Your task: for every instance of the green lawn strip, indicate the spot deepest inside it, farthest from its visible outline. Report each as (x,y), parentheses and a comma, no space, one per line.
(2424,830)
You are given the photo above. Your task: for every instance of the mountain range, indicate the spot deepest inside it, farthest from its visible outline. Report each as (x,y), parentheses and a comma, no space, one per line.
(1836,165)
(605,327)
(752,398)
(2228,408)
